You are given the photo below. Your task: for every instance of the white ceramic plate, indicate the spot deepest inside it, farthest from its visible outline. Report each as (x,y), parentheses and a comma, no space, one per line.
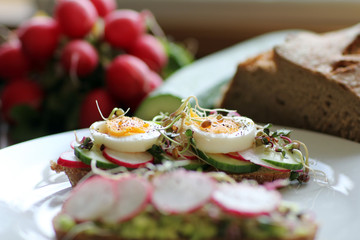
(31,194)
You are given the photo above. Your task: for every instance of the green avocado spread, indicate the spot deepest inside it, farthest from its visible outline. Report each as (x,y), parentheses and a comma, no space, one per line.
(152,224)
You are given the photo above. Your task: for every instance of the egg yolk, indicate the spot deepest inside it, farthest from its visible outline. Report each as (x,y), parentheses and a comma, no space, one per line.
(214,124)
(126,126)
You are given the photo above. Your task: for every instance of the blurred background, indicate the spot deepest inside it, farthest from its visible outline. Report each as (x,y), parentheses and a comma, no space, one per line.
(203,26)
(216,24)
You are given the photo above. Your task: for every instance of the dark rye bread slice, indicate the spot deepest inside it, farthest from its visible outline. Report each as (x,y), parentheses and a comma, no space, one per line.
(261,176)
(311,81)
(74,174)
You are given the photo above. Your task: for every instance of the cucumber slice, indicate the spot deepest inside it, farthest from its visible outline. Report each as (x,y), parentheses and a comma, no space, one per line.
(195,165)
(291,161)
(192,164)
(87,156)
(156,104)
(226,163)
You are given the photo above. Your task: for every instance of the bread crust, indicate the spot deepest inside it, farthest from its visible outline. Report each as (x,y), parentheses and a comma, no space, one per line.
(311,81)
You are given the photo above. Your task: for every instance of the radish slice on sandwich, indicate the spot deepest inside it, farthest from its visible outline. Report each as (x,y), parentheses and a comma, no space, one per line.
(133,195)
(91,199)
(129,160)
(181,191)
(245,199)
(237,156)
(68,159)
(249,154)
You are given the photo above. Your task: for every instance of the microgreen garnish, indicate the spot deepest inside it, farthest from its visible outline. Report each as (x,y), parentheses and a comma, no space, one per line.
(188,133)
(281,132)
(87,143)
(116,112)
(157,152)
(176,136)
(267,129)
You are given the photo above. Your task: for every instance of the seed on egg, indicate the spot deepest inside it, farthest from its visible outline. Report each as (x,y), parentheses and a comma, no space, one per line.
(206,123)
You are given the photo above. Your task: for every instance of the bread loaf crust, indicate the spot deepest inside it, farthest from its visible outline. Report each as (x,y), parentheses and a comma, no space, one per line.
(311,81)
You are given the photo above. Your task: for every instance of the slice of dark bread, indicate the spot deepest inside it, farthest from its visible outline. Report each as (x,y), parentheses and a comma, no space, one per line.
(310,81)
(74,174)
(261,176)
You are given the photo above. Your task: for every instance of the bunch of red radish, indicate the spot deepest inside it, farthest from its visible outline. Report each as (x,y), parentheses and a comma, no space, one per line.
(73,38)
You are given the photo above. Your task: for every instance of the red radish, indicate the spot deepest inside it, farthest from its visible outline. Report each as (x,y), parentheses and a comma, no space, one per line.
(73,144)
(91,200)
(245,199)
(181,191)
(151,51)
(39,37)
(76,18)
(20,92)
(89,112)
(103,7)
(123,28)
(13,62)
(133,195)
(68,159)
(153,81)
(237,156)
(127,78)
(250,155)
(129,160)
(279,183)
(80,57)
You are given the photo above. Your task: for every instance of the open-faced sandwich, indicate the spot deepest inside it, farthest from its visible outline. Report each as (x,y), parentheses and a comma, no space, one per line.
(179,204)
(196,138)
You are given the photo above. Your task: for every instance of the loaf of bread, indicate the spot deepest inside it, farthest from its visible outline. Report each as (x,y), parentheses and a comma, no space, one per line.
(310,81)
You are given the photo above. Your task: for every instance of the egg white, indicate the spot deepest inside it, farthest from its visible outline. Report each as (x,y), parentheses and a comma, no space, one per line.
(226,142)
(139,142)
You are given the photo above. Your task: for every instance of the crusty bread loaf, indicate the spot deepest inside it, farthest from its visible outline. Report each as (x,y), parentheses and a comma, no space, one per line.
(311,81)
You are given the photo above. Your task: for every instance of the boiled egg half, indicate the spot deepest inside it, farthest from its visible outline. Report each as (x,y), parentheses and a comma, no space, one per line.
(220,134)
(125,134)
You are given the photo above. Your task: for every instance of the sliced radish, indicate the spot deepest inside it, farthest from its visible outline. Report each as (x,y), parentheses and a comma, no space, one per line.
(245,199)
(250,155)
(133,195)
(130,160)
(279,183)
(91,199)
(68,159)
(74,144)
(237,156)
(181,191)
